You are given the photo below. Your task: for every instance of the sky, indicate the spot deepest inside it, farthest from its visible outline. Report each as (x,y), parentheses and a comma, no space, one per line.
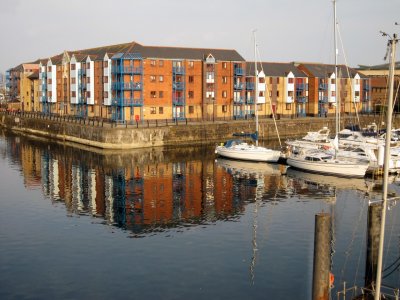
(286,30)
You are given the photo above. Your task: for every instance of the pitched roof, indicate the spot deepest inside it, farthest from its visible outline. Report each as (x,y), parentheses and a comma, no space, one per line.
(276,69)
(325,70)
(378,67)
(158,52)
(187,53)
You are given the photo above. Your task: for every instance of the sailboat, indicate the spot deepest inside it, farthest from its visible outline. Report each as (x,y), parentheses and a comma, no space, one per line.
(238,149)
(320,161)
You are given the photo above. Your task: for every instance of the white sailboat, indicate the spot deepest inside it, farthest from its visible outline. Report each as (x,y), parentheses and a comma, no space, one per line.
(318,160)
(238,149)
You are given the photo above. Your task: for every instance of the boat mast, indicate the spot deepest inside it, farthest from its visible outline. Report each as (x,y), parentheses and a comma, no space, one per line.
(392,43)
(255,85)
(337,99)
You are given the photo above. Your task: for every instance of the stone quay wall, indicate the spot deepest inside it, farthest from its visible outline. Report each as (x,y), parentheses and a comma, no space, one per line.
(102,135)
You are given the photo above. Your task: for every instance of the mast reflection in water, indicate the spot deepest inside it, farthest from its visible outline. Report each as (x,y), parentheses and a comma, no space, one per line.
(210,228)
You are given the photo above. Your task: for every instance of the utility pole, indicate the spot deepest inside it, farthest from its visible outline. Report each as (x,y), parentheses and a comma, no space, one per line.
(392,45)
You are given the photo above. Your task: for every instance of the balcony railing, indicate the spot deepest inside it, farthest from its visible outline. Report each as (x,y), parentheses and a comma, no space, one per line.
(301,86)
(238,100)
(178,85)
(238,71)
(178,100)
(250,86)
(127,70)
(239,86)
(323,86)
(178,70)
(301,99)
(127,101)
(323,99)
(134,86)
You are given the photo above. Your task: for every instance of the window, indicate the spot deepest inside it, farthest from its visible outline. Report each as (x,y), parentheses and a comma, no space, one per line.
(161,63)
(105,79)
(277,93)
(161,78)
(191,79)
(333,94)
(332,81)
(191,94)
(224,65)
(160,94)
(73,66)
(277,80)
(191,109)
(88,94)
(153,63)
(88,66)
(153,94)
(152,78)
(224,79)
(73,94)
(49,81)
(288,106)
(270,80)
(161,110)
(49,69)
(224,94)
(191,64)
(290,80)
(224,108)
(105,94)
(153,110)
(106,64)
(73,80)
(88,80)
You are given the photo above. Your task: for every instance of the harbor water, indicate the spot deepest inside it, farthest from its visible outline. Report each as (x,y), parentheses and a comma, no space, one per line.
(80,223)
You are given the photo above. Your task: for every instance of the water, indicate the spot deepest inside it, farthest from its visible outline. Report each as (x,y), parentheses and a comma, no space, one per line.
(173,224)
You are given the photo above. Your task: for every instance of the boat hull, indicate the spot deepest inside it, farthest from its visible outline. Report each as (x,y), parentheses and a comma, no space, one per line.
(249,153)
(351,170)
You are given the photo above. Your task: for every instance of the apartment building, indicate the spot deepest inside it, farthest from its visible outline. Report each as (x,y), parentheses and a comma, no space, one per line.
(130,82)
(352,90)
(379,85)
(286,91)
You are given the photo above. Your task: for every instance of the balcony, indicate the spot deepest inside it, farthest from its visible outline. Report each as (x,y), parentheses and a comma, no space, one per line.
(127,70)
(250,100)
(178,86)
(301,86)
(250,86)
(178,70)
(238,100)
(301,99)
(323,99)
(238,86)
(127,102)
(178,101)
(238,71)
(323,86)
(134,86)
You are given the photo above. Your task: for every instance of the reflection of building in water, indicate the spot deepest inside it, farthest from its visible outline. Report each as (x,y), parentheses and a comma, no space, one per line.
(31,165)
(137,192)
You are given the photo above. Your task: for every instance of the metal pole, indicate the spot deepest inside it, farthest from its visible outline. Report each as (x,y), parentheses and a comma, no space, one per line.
(255,85)
(392,43)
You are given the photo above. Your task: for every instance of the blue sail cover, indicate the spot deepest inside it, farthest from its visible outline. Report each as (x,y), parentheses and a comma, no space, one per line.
(253,136)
